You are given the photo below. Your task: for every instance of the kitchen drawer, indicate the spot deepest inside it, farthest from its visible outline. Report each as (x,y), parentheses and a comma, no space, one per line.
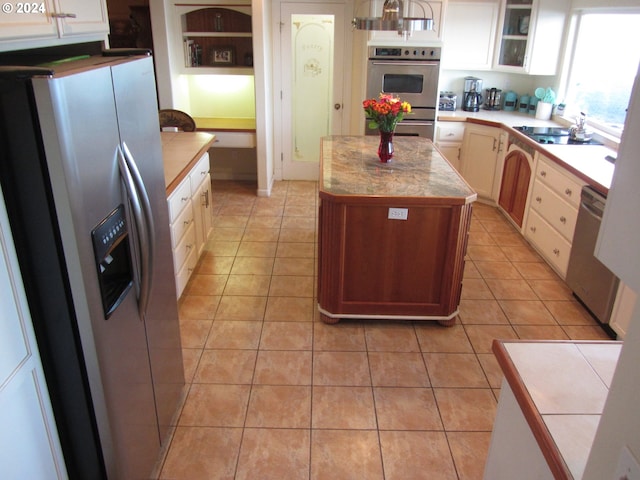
(551,245)
(179,199)
(184,248)
(450,132)
(560,214)
(184,274)
(199,173)
(181,225)
(559,181)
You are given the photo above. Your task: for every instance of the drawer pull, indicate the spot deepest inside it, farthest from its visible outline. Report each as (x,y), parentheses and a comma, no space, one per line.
(63,15)
(539,199)
(556,252)
(184,199)
(186,222)
(568,192)
(563,220)
(189,246)
(204,172)
(533,229)
(205,198)
(543,173)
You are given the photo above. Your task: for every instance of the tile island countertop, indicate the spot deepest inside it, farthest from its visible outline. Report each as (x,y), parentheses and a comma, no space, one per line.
(180,152)
(561,388)
(350,166)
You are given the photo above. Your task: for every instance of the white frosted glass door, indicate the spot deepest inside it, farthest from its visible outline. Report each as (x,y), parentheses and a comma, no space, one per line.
(312,72)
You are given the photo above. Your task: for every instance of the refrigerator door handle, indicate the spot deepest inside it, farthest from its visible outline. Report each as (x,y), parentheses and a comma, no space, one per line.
(141,207)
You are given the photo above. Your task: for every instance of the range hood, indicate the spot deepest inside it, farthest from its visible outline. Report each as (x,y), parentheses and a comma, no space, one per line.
(395,18)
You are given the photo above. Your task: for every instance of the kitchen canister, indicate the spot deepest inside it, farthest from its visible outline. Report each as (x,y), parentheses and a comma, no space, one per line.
(543,110)
(523,105)
(510,101)
(533,104)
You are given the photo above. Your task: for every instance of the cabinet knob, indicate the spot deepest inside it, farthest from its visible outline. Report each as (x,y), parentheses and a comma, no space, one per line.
(337,106)
(533,229)
(189,246)
(568,192)
(556,252)
(539,199)
(543,173)
(563,220)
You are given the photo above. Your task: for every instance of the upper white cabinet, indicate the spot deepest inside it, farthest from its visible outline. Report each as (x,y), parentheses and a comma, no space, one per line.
(416,8)
(470,34)
(49,23)
(530,33)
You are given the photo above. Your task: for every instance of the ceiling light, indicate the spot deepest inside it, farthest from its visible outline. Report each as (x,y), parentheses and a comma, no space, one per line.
(394,18)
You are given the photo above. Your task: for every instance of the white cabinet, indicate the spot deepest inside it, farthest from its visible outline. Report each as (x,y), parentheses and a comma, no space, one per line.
(481,159)
(623,310)
(470,34)
(415,9)
(200,180)
(49,23)
(191,220)
(449,137)
(553,211)
(529,34)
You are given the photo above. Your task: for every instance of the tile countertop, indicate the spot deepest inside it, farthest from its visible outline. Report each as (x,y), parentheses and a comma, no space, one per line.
(561,387)
(585,161)
(180,152)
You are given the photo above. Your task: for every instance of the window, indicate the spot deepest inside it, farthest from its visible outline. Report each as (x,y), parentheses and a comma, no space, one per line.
(604,66)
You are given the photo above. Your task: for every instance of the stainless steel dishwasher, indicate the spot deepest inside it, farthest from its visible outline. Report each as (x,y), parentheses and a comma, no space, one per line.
(589,279)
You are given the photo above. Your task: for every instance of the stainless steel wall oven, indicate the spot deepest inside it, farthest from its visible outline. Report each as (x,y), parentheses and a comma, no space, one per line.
(411,73)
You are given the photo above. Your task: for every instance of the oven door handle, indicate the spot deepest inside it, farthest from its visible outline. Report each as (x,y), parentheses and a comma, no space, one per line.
(408,64)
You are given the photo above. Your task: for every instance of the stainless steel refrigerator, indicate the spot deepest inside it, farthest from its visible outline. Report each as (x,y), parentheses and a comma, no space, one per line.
(82,175)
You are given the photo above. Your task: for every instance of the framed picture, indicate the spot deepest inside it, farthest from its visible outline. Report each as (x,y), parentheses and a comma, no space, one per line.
(223,56)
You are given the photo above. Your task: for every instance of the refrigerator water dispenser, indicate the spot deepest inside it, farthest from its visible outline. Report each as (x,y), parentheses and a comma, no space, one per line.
(113,262)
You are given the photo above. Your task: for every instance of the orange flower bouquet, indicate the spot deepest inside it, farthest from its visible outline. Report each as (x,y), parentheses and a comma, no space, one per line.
(385,112)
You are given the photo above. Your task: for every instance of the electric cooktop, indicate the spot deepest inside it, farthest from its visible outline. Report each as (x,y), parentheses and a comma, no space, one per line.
(553,135)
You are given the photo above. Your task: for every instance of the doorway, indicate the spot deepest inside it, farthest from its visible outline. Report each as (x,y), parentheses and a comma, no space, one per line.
(313,81)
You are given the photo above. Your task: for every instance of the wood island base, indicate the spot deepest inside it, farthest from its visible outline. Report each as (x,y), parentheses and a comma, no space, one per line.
(332,319)
(391,238)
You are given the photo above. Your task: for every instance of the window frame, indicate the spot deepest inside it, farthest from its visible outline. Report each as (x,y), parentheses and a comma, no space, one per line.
(573,28)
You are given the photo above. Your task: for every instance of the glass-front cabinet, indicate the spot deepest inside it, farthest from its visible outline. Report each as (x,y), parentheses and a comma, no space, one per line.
(530,34)
(515,32)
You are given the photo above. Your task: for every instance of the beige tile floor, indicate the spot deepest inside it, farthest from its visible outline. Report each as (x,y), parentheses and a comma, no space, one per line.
(273,393)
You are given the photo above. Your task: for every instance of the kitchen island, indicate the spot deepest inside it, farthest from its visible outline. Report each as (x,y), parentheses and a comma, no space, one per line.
(392,237)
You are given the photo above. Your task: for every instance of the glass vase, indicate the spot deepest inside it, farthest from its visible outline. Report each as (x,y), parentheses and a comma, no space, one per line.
(385,149)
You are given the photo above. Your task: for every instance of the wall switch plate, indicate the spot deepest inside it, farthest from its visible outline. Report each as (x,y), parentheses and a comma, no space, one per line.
(628,467)
(398,213)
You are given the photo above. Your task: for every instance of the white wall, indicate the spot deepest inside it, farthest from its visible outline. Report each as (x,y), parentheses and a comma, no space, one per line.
(618,249)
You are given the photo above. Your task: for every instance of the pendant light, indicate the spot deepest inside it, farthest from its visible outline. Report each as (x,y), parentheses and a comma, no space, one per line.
(394,18)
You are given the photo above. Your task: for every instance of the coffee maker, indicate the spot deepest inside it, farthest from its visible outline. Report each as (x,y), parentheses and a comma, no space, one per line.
(472,98)
(492,98)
